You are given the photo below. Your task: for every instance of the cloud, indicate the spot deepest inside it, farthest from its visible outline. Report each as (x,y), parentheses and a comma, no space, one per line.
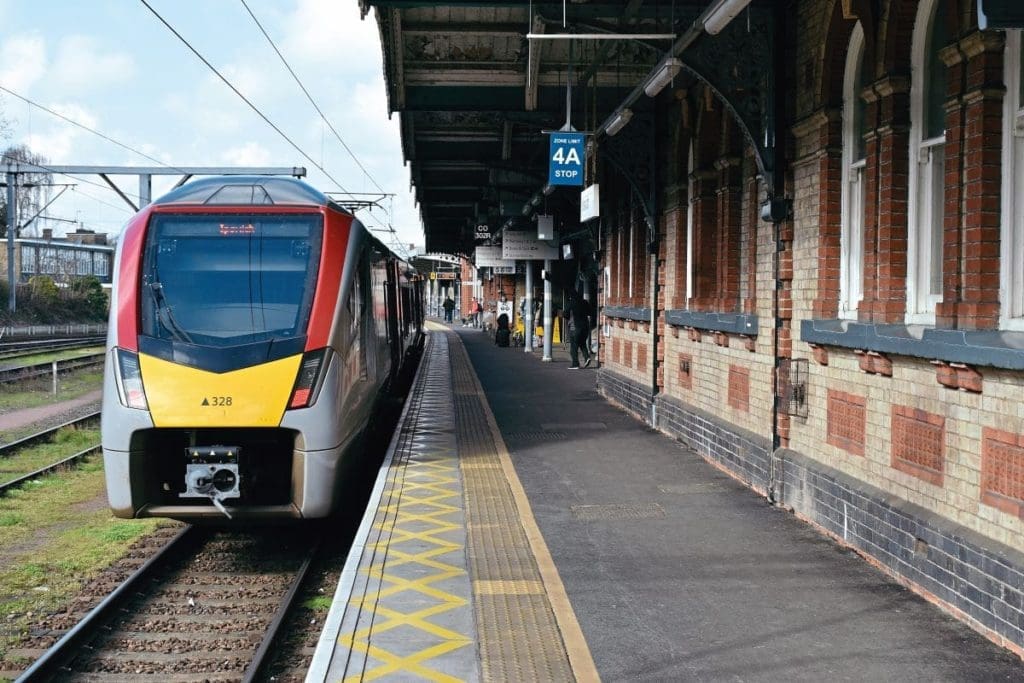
(81,65)
(22,62)
(328,32)
(247,154)
(212,109)
(58,143)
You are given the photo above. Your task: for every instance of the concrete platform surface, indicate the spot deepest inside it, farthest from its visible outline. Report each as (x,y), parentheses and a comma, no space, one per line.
(677,572)
(525,529)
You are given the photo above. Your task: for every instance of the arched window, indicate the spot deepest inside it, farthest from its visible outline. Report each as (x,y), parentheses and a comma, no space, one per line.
(1012,267)
(927,146)
(851,273)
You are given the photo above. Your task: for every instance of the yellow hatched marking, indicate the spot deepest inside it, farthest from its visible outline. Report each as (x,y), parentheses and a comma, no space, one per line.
(410,663)
(426,487)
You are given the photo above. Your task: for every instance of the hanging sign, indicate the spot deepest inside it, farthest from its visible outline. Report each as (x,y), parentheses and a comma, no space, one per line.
(520,244)
(565,161)
(590,203)
(490,257)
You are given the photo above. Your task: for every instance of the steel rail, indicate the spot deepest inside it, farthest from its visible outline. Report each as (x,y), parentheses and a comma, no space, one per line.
(70,644)
(23,372)
(15,483)
(7,449)
(255,669)
(16,351)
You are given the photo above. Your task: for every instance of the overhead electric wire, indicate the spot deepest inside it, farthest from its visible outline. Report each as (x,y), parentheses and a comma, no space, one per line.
(100,201)
(310,97)
(252,105)
(245,99)
(86,128)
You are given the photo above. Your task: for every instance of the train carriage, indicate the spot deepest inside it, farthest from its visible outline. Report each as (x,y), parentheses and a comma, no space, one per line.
(254,325)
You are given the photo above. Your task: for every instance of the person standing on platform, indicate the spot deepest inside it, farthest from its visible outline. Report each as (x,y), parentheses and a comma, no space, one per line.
(478,318)
(578,313)
(449,306)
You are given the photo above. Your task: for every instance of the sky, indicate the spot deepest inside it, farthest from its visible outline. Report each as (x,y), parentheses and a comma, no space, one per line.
(113,66)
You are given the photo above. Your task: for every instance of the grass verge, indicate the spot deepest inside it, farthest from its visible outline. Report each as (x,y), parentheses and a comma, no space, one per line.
(65,443)
(55,535)
(34,393)
(52,356)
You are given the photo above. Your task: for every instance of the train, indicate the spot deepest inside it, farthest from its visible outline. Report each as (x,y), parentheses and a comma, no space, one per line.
(255,324)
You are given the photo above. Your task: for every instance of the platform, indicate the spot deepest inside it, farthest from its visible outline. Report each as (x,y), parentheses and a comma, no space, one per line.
(557,538)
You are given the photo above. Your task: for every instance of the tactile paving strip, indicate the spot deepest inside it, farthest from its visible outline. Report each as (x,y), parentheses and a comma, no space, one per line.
(519,636)
(408,615)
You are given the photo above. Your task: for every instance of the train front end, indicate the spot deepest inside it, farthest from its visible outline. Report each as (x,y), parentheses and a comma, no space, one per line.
(220,380)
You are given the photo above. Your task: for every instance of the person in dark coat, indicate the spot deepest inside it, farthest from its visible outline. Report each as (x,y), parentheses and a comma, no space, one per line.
(449,306)
(578,313)
(502,334)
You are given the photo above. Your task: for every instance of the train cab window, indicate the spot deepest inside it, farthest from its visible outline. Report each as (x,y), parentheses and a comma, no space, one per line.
(229,279)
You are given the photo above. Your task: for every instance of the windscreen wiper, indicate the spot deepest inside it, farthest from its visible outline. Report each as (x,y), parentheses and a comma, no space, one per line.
(165,315)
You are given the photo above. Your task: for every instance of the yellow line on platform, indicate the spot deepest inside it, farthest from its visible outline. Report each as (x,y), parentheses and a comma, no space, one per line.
(576,647)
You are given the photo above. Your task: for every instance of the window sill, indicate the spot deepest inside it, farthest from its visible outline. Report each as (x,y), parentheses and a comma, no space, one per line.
(991,348)
(627,313)
(733,323)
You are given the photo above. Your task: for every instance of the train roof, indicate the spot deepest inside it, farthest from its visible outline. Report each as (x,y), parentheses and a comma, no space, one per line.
(248,190)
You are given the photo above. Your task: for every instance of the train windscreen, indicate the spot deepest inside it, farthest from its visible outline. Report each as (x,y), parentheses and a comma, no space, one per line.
(229,279)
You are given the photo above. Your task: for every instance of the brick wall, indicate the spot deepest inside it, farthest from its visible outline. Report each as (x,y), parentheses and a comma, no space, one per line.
(965,573)
(925,478)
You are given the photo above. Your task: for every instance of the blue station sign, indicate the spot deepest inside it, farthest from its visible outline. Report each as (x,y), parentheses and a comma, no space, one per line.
(565,161)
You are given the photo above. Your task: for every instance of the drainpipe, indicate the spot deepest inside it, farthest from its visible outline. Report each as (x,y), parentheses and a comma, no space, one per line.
(653,249)
(778,210)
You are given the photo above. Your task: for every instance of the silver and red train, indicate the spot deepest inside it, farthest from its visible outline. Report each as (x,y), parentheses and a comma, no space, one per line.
(254,325)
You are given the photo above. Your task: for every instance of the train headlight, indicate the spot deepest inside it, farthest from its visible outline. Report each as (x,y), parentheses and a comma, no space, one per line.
(129,380)
(307,383)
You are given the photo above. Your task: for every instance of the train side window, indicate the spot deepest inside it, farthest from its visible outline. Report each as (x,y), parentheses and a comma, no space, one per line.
(354,304)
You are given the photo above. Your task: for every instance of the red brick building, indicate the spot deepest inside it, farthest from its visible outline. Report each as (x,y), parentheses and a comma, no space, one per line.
(893,419)
(810,250)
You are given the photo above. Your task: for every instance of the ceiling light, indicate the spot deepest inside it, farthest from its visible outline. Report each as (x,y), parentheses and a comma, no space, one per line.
(548,189)
(721,13)
(536,199)
(669,68)
(619,121)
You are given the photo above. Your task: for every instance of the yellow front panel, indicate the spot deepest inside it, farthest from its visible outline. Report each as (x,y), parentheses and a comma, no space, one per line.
(180,396)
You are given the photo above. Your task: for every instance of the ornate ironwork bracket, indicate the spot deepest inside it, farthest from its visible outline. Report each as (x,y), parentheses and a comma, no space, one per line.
(632,153)
(737,64)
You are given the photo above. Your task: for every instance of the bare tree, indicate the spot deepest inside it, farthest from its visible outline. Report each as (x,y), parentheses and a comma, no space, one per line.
(33,188)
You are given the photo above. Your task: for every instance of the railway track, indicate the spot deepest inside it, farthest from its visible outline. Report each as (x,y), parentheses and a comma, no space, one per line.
(11,352)
(208,606)
(42,437)
(19,373)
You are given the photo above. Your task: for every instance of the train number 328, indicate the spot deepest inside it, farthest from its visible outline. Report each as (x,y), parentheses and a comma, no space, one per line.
(217,401)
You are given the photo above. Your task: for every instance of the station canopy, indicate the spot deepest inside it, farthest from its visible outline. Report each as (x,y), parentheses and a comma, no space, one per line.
(475,96)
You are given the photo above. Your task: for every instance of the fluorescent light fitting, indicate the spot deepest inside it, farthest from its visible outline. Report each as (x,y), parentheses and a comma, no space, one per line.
(527,208)
(548,189)
(669,68)
(721,13)
(536,199)
(619,121)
